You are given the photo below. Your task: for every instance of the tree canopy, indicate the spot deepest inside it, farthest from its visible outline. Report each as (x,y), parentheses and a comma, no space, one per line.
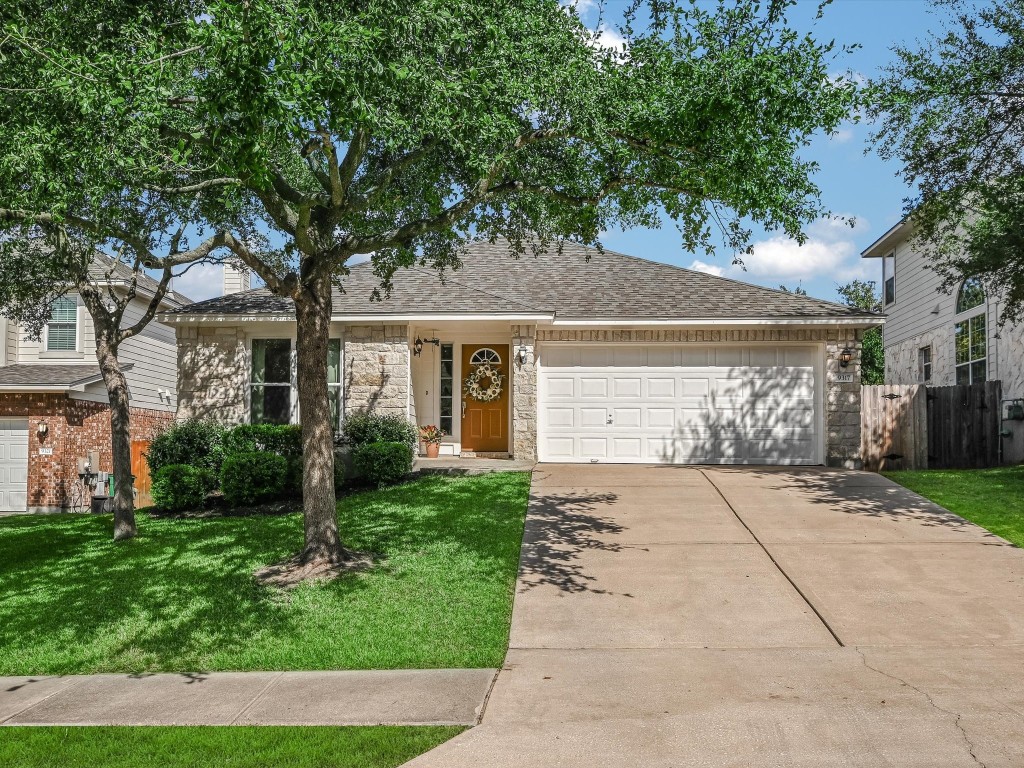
(952,112)
(861,294)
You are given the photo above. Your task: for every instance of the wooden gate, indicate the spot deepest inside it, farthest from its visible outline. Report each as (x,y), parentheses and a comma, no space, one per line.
(894,427)
(963,425)
(140,470)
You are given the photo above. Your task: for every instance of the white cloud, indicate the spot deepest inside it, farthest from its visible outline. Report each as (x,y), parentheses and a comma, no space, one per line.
(709,269)
(359,258)
(841,136)
(201,281)
(829,252)
(606,37)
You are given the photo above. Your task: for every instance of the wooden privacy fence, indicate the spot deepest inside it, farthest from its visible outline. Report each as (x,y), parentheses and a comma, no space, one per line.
(911,426)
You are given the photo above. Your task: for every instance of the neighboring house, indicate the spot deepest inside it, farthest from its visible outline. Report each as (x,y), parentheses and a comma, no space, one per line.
(53,403)
(938,338)
(599,357)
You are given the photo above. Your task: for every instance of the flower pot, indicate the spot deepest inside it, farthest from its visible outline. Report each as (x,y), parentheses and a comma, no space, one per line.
(433,449)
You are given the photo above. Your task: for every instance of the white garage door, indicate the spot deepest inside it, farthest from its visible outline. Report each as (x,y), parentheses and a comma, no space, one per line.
(13,465)
(679,405)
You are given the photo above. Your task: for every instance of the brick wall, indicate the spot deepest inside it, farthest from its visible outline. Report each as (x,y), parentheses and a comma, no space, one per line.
(74,428)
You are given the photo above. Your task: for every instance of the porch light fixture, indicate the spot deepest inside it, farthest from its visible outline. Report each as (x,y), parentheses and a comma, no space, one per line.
(845,357)
(521,355)
(42,428)
(417,346)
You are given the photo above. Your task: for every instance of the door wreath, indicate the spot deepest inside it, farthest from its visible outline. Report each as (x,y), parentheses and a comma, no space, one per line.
(493,377)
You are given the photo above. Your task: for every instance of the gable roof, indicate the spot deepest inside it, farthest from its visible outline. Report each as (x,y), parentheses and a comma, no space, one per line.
(580,283)
(104,268)
(56,377)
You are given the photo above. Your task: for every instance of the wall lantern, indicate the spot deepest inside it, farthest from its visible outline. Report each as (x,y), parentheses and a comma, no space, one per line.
(845,357)
(521,354)
(417,346)
(42,428)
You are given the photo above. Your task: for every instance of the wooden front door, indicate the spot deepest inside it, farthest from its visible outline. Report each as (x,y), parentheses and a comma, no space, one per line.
(140,469)
(485,424)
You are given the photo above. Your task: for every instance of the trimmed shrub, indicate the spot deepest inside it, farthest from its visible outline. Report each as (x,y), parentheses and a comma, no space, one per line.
(195,442)
(383,463)
(251,477)
(181,487)
(293,486)
(282,439)
(364,429)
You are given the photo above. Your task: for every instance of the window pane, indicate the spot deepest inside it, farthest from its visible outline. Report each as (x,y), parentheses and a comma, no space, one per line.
(62,330)
(447,388)
(334,361)
(271,361)
(963,374)
(271,405)
(890,290)
(971,295)
(64,310)
(963,347)
(977,372)
(334,399)
(977,337)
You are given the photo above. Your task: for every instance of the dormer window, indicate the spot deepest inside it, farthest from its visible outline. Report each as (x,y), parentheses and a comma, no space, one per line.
(62,329)
(970,333)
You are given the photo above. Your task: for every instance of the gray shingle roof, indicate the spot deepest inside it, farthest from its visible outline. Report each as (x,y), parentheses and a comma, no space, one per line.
(104,267)
(577,284)
(46,375)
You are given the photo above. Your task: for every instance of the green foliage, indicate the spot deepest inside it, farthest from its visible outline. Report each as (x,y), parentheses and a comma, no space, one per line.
(193,441)
(861,294)
(382,463)
(282,439)
(181,487)
(949,111)
(363,429)
(446,548)
(253,477)
(378,746)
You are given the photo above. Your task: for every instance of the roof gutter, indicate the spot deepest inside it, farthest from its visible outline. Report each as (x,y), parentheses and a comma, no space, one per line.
(863,322)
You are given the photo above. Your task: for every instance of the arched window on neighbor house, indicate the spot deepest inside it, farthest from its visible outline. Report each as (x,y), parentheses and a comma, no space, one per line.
(970,333)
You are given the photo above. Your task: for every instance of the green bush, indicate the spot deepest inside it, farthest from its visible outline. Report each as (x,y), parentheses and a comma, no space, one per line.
(282,439)
(383,463)
(251,477)
(195,442)
(293,486)
(364,429)
(180,487)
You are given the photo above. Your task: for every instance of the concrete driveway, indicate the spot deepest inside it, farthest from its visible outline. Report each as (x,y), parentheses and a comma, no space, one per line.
(670,616)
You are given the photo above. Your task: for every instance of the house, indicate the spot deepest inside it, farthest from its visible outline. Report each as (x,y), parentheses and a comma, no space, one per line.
(53,403)
(578,356)
(938,338)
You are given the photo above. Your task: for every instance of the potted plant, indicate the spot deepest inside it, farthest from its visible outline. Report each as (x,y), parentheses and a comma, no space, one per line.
(431,437)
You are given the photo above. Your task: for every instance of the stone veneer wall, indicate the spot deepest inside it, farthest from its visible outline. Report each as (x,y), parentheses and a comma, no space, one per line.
(376,359)
(524,394)
(74,428)
(842,400)
(213,373)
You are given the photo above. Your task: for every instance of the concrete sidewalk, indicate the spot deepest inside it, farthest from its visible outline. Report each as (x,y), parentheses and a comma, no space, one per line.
(389,697)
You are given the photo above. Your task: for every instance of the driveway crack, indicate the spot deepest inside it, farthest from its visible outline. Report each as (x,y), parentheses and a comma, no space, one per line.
(931,702)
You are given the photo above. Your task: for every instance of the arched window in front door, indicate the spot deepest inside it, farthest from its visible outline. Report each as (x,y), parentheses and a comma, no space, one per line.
(485,355)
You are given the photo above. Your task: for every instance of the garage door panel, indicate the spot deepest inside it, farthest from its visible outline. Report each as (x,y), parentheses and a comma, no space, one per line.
(749,404)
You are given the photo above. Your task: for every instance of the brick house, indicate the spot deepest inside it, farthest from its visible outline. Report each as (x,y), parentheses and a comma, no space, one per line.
(578,356)
(53,403)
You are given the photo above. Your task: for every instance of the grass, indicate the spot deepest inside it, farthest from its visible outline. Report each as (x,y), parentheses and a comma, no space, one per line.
(992,498)
(181,597)
(225,747)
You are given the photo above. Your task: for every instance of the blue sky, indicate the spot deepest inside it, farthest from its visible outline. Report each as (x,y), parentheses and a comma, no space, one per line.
(853,183)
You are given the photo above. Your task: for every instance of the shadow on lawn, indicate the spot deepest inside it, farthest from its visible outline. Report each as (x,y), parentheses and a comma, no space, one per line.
(184,591)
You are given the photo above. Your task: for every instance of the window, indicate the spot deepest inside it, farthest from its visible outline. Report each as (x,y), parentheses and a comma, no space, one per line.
(924,364)
(62,330)
(447,388)
(485,355)
(889,279)
(971,295)
(271,381)
(334,380)
(971,343)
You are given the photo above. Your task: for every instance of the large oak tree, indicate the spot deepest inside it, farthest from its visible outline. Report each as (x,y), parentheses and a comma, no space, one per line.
(399,129)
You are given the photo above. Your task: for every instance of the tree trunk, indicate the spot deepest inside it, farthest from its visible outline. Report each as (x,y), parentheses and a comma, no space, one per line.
(120,433)
(313,323)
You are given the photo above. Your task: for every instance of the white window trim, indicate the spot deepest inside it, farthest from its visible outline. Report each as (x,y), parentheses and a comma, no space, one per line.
(293,376)
(77,352)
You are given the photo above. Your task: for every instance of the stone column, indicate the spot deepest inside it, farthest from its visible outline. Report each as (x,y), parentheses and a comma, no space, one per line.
(842,401)
(524,394)
(213,373)
(377,369)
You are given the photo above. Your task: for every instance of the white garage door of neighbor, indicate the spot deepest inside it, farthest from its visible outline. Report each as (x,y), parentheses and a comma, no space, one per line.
(13,465)
(679,405)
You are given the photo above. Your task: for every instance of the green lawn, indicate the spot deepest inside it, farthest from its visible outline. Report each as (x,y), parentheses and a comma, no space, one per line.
(181,597)
(992,498)
(225,747)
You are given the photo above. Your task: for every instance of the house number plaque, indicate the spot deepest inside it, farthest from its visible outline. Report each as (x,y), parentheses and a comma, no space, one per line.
(844,378)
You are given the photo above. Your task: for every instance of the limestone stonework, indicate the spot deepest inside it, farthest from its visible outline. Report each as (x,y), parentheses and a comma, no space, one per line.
(377,369)
(213,373)
(842,399)
(524,394)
